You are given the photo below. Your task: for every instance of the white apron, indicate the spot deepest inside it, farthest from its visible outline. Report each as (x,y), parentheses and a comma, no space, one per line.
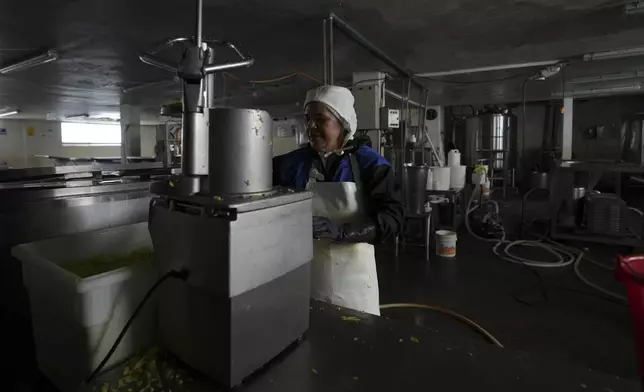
(343,274)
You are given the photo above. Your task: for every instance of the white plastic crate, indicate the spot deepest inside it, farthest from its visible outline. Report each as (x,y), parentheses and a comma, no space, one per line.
(76,320)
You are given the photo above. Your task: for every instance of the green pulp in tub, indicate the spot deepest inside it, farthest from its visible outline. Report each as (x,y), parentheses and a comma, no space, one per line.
(104,263)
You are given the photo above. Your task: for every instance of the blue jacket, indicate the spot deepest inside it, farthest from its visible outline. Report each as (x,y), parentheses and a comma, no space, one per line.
(383,208)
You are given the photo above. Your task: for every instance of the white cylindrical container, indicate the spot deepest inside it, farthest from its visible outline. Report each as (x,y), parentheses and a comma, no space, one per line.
(446,243)
(453,158)
(430,185)
(485,188)
(457,177)
(440,178)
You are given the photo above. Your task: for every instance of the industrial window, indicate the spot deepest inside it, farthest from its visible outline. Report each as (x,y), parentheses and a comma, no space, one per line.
(82,134)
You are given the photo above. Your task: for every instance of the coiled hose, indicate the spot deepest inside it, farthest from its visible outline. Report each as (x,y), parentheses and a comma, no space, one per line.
(563,257)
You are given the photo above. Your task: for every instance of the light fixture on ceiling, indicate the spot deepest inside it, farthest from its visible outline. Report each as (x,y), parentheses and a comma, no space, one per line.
(9,113)
(548,72)
(47,57)
(488,69)
(635,7)
(605,90)
(107,116)
(73,116)
(615,54)
(609,77)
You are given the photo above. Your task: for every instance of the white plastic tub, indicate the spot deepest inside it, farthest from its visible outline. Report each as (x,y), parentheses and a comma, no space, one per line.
(75,321)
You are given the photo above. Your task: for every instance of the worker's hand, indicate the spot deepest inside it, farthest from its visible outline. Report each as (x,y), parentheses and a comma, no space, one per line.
(324,228)
(349,232)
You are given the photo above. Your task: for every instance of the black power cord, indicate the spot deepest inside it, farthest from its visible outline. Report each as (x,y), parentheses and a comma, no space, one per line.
(181,275)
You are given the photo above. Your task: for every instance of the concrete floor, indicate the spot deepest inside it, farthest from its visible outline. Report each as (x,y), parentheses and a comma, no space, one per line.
(573,324)
(569,325)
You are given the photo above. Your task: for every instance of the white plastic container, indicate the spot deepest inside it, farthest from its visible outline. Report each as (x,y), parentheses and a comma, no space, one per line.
(446,243)
(440,178)
(75,321)
(430,185)
(457,177)
(453,158)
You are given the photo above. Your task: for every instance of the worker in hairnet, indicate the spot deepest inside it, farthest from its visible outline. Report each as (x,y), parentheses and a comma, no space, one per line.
(354,205)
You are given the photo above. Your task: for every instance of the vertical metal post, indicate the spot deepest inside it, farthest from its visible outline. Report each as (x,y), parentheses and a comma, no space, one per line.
(198,37)
(210,80)
(403,140)
(566,142)
(325,52)
(330,55)
(422,121)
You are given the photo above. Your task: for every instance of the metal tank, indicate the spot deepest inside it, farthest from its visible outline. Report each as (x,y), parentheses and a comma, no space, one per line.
(496,138)
(415,180)
(242,142)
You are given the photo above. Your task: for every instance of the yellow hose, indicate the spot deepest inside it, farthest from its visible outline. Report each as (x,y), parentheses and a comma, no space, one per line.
(451,313)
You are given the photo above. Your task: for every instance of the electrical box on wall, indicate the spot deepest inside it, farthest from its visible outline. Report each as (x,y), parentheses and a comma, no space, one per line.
(389,118)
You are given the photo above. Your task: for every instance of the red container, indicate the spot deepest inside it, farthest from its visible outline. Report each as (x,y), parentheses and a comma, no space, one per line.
(630,270)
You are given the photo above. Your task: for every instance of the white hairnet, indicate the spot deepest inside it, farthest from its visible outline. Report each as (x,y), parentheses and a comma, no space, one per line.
(339,100)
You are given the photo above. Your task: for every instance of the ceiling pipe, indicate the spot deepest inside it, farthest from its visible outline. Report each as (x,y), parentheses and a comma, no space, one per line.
(401,99)
(354,35)
(158,83)
(47,57)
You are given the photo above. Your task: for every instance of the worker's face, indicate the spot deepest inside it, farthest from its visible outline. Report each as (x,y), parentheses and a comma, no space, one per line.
(325,130)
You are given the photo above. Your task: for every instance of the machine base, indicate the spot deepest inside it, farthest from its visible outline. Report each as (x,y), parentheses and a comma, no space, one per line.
(228,339)
(246,298)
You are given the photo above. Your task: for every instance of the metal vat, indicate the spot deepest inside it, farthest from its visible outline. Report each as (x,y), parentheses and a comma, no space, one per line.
(415,180)
(241,152)
(496,138)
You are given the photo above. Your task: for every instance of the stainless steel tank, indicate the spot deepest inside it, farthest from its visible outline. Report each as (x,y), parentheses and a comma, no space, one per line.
(496,138)
(241,151)
(468,142)
(415,180)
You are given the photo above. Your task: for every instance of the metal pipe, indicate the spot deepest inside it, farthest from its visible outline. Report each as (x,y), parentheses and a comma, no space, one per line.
(157,62)
(167,43)
(488,69)
(159,83)
(400,98)
(210,80)
(404,124)
(330,55)
(371,48)
(422,120)
(199,22)
(324,52)
(222,67)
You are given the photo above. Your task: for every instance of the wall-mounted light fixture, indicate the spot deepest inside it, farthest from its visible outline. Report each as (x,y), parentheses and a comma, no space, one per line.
(47,57)
(609,77)
(605,90)
(614,54)
(635,7)
(9,113)
(548,72)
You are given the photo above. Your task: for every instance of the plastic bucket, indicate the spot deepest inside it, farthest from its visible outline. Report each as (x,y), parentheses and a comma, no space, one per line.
(630,270)
(440,178)
(457,177)
(445,243)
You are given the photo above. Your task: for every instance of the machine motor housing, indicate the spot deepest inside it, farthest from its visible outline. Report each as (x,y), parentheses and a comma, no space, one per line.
(247,296)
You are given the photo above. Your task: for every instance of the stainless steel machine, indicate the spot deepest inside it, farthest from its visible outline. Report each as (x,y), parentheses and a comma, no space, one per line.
(246,246)
(489,138)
